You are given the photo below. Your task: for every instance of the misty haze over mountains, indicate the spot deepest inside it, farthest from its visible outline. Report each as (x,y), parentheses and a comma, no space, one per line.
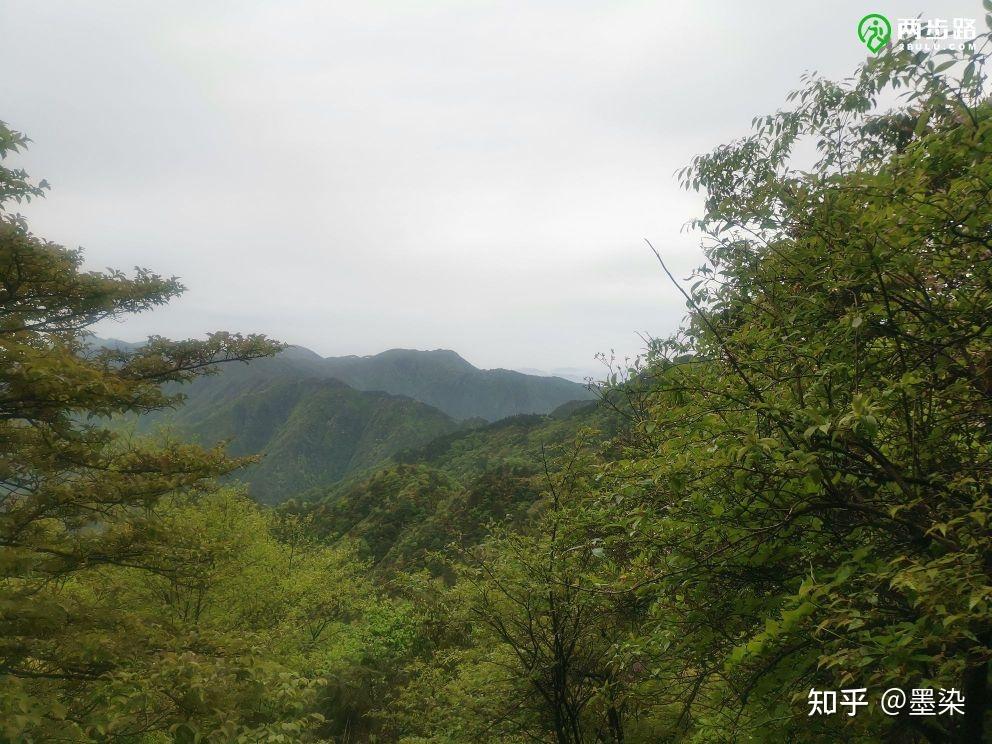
(576,374)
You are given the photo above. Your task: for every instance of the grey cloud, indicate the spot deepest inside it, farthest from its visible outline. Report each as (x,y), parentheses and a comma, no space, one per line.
(355,176)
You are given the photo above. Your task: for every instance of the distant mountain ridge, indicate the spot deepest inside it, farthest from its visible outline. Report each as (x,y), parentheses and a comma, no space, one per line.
(443,379)
(316,421)
(439,378)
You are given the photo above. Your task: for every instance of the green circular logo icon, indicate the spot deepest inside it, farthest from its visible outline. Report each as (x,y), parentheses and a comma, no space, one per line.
(874,30)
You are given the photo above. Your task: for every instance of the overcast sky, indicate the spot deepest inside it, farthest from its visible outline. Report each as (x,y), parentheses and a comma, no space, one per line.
(361,175)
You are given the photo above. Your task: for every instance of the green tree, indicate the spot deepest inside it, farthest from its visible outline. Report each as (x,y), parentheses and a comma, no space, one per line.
(73,496)
(529,649)
(248,623)
(806,495)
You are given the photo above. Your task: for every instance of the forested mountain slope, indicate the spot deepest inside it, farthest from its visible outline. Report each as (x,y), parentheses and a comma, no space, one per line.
(313,432)
(316,421)
(310,432)
(450,489)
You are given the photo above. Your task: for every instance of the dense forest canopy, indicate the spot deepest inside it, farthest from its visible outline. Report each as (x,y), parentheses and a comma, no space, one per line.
(790,494)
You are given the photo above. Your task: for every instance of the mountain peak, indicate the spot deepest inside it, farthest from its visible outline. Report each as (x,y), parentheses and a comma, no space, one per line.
(445,380)
(446,357)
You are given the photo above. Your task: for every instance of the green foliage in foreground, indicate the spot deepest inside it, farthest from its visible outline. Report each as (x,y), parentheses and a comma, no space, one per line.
(808,494)
(799,497)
